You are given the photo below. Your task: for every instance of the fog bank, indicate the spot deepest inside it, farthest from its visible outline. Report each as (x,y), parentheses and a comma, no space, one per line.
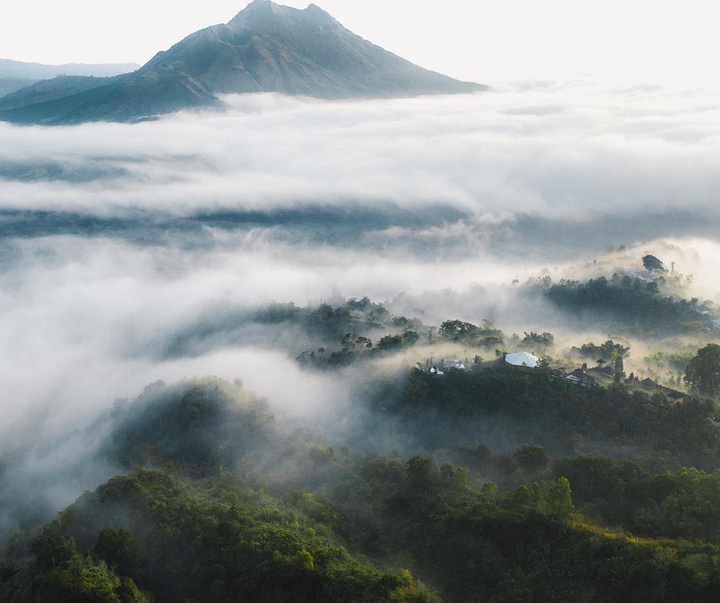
(137,253)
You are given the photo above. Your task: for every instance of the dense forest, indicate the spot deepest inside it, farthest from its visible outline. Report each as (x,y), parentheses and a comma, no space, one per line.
(449,475)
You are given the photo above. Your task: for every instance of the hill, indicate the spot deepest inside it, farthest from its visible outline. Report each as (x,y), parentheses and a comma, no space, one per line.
(15,75)
(205,519)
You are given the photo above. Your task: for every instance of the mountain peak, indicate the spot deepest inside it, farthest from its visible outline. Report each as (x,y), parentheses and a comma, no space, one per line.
(257,12)
(314,13)
(266,15)
(266,47)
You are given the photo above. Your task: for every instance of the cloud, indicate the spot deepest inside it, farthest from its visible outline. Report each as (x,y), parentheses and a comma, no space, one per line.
(117,234)
(558,151)
(137,253)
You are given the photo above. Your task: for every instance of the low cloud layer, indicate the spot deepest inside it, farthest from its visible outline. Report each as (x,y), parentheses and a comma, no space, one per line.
(119,243)
(547,151)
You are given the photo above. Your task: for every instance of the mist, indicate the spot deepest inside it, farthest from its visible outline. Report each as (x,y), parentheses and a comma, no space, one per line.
(132,253)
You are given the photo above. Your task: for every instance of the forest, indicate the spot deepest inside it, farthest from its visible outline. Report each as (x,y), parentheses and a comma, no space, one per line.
(449,475)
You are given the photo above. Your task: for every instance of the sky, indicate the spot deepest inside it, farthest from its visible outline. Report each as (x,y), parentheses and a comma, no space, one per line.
(643,41)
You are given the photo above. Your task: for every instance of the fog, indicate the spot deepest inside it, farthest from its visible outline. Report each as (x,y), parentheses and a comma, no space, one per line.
(529,149)
(132,253)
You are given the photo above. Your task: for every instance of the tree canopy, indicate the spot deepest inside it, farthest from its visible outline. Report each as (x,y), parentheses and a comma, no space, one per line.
(653,264)
(703,371)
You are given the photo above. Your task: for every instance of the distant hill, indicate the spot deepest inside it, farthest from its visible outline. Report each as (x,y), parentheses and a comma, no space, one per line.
(15,75)
(265,48)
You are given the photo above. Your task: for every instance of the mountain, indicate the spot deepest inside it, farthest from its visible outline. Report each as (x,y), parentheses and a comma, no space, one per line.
(265,48)
(17,74)
(9,85)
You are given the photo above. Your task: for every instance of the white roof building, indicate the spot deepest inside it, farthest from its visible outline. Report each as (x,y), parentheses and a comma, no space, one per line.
(522,359)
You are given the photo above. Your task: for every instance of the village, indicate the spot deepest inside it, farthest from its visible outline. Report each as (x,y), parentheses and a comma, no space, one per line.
(583,376)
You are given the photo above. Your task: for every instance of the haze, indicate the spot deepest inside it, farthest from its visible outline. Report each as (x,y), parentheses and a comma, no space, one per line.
(116,234)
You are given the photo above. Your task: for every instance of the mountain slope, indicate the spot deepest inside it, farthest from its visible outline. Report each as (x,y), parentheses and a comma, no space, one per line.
(265,48)
(15,75)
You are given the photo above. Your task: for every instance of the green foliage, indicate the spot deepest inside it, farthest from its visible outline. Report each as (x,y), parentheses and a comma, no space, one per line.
(419,471)
(210,542)
(331,322)
(531,458)
(559,498)
(527,545)
(628,301)
(391,343)
(469,334)
(199,532)
(83,580)
(703,371)
(538,339)
(653,264)
(56,573)
(608,349)
(119,549)
(542,407)
(202,424)
(619,368)
(675,505)
(353,348)
(51,548)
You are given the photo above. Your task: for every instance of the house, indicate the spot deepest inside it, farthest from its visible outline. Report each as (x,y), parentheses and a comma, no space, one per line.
(452,363)
(581,378)
(673,394)
(522,359)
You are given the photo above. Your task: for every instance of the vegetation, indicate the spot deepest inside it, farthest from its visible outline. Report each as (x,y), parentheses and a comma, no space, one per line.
(196,525)
(542,340)
(211,537)
(635,303)
(542,406)
(208,541)
(486,335)
(703,371)
(491,483)
(653,264)
(608,349)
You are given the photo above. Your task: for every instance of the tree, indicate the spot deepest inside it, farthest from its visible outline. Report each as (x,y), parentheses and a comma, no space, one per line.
(457,330)
(51,548)
(119,549)
(538,339)
(531,457)
(351,342)
(652,264)
(619,369)
(466,332)
(703,371)
(419,470)
(605,350)
(559,498)
(390,343)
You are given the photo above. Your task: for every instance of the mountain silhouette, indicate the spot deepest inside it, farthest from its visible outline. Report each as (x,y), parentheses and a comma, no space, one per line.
(264,48)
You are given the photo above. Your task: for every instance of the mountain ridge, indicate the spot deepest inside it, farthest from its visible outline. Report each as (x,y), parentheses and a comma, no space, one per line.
(15,75)
(266,47)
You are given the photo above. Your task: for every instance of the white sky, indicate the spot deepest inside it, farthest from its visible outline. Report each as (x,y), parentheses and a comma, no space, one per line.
(648,41)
